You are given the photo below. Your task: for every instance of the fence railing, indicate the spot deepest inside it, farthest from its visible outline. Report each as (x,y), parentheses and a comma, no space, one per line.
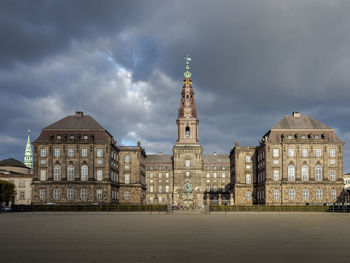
(266,208)
(87,208)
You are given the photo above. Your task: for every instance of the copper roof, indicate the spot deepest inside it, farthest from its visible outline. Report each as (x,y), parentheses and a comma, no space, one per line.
(218,158)
(159,158)
(302,122)
(73,122)
(12,163)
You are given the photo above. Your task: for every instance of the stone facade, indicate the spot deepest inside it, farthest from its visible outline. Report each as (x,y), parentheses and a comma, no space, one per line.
(299,161)
(75,162)
(132,175)
(242,163)
(21,176)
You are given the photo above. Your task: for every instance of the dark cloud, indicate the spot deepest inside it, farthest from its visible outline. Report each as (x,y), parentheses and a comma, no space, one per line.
(121,62)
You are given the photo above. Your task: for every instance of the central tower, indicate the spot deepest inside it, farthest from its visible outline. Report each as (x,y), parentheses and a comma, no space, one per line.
(187,150)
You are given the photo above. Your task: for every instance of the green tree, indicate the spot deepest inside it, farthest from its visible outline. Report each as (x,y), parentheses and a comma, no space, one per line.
(7,191)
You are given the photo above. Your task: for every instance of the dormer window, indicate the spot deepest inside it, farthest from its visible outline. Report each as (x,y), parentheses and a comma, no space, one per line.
(303,137)
(290,137)
(86,137)
(72,137)
(59,137)
(317,137)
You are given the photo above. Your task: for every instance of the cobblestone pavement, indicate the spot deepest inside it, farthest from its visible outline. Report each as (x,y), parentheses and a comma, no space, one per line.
(236,237)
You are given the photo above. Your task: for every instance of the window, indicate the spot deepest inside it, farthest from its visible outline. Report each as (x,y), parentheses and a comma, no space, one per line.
(57,152)
(21,194)
(151,199)
(160,175)
(21,183)
(291,152)
(86,137)
(70,193)
(317,137)
(57,172)
(42,193)
(99,161)
(319,194)
(223,175)
(151,188)
(42,175)
(84,152)
(332,161)
(248,179)
(56,193)
(275,162)
(332,152)
(166,175)
(70,172)
(291,194)
(127,158)
(291,173)
(160,188)
(83,193)
(214,175)
(208,188)
(305,173)
(290,137)
(99,152)
(249,195)
(208,175)
(167,188)
(333,194)
(187,174)
(99,175)
(304,152)
(187,131)
(72,137)
(215,189)
(187,162)
(84,172)
(275,153)
(127,178)
(276,194)
(151,175)
(247,166)
(43,152)
(44,161)
(303,137)
(332,175)
(305,194)
(99,193)
(248,159)
(318,152)
(126,195)
(276,175)
(70,152)
(318,173)
(59,137)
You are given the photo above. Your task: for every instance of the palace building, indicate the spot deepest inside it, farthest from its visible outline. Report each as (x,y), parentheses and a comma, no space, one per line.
(299,161)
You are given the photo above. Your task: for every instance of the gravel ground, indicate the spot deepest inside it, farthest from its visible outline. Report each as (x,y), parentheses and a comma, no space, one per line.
(181,237)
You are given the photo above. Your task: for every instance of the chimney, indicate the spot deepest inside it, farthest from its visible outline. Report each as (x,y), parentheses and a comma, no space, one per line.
(296,114)
(79,114)
(214,153)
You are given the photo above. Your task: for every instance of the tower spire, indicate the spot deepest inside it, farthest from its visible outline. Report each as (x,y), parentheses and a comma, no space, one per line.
(28,155)
(187,74)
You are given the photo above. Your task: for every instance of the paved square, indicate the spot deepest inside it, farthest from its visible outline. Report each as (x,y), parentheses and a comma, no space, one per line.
(238,237)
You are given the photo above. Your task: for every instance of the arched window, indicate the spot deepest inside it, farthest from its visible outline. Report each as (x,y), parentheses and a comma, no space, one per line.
(305,173)
(187,131)
(70,172)
(305,193)
(187,99)
(318,173)
(84,172)
(291,173)
(319,194)
(57,172)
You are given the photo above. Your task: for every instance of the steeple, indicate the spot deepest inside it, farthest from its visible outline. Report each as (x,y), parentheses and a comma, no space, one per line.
(28,155)
(187,121)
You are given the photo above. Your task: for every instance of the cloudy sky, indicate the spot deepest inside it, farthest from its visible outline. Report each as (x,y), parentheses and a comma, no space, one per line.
(122,63)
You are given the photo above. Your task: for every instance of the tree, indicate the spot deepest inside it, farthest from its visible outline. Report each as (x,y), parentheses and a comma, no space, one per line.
(7,191)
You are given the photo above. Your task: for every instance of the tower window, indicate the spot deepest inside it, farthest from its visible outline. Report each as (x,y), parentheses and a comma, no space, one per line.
(187,99)
(187,131)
